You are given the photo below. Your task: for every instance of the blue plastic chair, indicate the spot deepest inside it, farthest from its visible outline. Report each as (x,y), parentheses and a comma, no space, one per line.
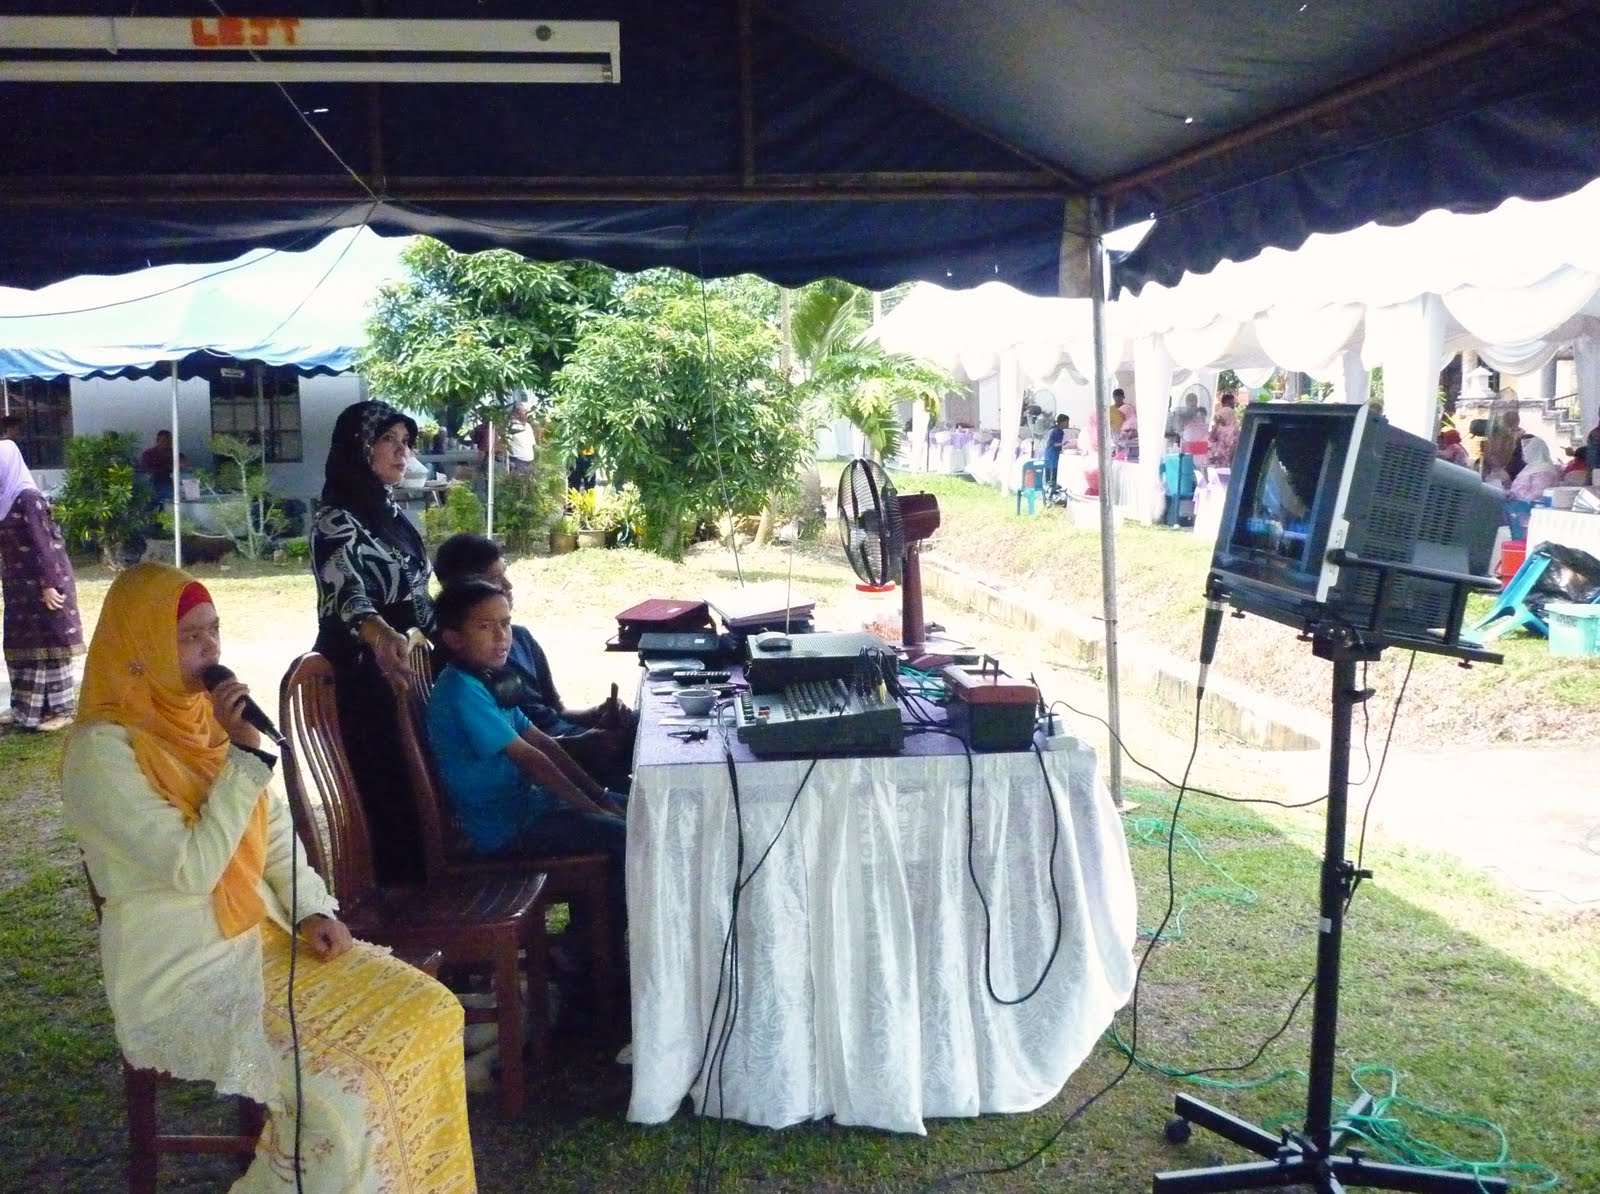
(1032,486)
(1512,604)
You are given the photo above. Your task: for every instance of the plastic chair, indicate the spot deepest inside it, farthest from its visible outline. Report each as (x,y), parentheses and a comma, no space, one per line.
(1032,486)
(485,924)
(580,879)
(1512,604)
(1178,484)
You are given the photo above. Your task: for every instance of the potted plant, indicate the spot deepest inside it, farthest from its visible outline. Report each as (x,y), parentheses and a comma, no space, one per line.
(563,536)
(623,516)
(584,505)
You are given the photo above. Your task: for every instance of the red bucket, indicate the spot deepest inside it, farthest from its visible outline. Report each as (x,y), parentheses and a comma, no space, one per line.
(1512,553)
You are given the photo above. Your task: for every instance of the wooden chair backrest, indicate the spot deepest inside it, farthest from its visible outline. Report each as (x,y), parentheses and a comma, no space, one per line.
(434,818)
(322,789)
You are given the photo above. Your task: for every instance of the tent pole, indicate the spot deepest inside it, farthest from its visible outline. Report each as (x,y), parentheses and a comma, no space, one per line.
(489,530)
(1108,533)
(5,393)
(177,455)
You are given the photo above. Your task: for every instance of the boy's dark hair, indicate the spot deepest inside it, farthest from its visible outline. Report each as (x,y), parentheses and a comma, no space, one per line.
(1118,393)
(464,555)
(460,598)
(1063,421)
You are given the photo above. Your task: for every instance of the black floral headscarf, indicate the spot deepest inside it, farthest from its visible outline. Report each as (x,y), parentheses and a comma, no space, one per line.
(350,483)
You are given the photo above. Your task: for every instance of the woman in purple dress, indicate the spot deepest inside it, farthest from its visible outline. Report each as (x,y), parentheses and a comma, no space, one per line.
(42,628)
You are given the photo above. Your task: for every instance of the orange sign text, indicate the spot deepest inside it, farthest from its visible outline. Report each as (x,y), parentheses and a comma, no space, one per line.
(211,33)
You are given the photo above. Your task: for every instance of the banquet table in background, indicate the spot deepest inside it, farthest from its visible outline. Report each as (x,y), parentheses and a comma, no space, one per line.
(861,939)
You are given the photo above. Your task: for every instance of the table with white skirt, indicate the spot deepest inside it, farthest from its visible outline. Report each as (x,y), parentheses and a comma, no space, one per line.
(857,985)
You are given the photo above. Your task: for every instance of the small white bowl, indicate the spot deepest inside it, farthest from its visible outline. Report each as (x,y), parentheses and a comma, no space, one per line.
(696,702)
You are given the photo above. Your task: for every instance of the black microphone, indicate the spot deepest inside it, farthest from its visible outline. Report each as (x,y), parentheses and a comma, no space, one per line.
(1209,632)
(216,674)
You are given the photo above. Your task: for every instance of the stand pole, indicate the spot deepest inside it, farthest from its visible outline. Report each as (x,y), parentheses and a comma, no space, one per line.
(1337,878)
(1311,1158)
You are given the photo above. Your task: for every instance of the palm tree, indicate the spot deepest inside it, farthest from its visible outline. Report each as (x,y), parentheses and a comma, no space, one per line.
(849,376)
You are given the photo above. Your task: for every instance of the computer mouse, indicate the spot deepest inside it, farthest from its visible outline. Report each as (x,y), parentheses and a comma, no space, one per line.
(777,642)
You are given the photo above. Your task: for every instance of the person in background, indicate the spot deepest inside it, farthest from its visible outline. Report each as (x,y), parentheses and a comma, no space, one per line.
(156,463)
(11,427)
(1053,445)
(372,578)
(508,794)
(191,846)
(1118,413)
(1538,473)
(1223,439)
(600,738)
(1576,469)
(1452,449)
(520,441)
(43,632)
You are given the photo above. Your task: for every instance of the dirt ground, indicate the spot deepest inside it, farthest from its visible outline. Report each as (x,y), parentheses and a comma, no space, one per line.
(1527,815)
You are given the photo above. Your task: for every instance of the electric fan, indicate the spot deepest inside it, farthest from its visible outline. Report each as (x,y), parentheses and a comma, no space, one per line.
(882,534)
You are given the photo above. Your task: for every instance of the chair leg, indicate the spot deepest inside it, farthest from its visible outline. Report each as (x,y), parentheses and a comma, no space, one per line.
(508,1009)
(139,1087)
(601,951)
(536,969)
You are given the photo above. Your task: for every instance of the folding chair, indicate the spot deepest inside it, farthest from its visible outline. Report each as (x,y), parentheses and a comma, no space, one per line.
(1512,603)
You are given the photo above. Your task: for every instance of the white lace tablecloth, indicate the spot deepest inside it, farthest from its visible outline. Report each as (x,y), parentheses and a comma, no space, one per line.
(861,945)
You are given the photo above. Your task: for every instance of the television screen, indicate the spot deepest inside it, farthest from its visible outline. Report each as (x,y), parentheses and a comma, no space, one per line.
(1309,478)
(1287,477)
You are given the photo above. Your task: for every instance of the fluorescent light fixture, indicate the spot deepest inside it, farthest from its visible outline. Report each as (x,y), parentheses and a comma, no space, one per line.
(222,49)
(1127,238)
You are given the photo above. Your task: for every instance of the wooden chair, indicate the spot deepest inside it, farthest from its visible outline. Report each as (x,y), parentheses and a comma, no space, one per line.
(147,1143)
(573,878)
(482,922)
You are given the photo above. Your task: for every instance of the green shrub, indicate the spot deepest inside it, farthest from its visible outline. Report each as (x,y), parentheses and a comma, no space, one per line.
(103,501)
(462,512)
(296,548)
(526,504)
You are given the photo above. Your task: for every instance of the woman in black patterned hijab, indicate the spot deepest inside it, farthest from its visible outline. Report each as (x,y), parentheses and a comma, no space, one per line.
(372,576)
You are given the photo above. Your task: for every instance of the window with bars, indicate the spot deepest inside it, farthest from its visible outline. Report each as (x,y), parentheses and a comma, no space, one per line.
(45,409)
(259,404)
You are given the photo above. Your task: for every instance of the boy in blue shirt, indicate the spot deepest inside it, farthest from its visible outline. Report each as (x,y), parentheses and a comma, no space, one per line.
(599,739)
(510,787)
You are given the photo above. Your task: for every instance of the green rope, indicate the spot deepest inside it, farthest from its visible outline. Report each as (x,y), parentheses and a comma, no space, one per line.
(1384,1128)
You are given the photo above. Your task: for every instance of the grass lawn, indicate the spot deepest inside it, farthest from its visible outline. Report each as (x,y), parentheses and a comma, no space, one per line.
(1160,581)
(1485,1005)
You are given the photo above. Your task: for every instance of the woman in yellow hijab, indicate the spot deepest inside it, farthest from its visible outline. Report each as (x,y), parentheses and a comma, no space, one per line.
(192,849)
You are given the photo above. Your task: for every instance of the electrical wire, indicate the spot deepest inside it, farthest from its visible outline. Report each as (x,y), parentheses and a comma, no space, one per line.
(305,120)
(1372,793)
(716,437)
(326,274)
(713,1058)
(292,246)
(1083,1107)
(1151,770)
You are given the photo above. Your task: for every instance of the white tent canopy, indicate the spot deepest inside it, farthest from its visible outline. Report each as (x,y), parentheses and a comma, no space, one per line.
(1517,284)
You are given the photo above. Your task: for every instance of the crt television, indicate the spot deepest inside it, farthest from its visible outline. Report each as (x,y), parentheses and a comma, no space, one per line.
(1309,479)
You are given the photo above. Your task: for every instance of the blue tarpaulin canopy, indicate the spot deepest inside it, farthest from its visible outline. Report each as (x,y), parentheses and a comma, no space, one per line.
(869,139)
(303,308)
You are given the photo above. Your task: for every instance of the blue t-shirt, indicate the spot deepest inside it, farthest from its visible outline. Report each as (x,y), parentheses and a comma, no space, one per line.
(1054,441)
(469,732)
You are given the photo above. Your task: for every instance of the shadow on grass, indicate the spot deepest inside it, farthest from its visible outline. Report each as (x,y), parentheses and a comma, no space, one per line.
(1471,1030)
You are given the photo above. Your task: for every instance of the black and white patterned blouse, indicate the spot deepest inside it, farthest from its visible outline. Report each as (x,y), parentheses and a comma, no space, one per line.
(359,574)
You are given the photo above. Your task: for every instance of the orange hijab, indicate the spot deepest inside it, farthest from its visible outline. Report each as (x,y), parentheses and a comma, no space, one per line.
(131,678)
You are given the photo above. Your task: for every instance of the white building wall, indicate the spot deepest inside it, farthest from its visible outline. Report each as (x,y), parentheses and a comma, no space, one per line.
(143,406)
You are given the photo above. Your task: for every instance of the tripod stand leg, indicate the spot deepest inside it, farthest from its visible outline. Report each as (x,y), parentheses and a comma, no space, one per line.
(1252,1175)
(1230,1127)
(1357,1172)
